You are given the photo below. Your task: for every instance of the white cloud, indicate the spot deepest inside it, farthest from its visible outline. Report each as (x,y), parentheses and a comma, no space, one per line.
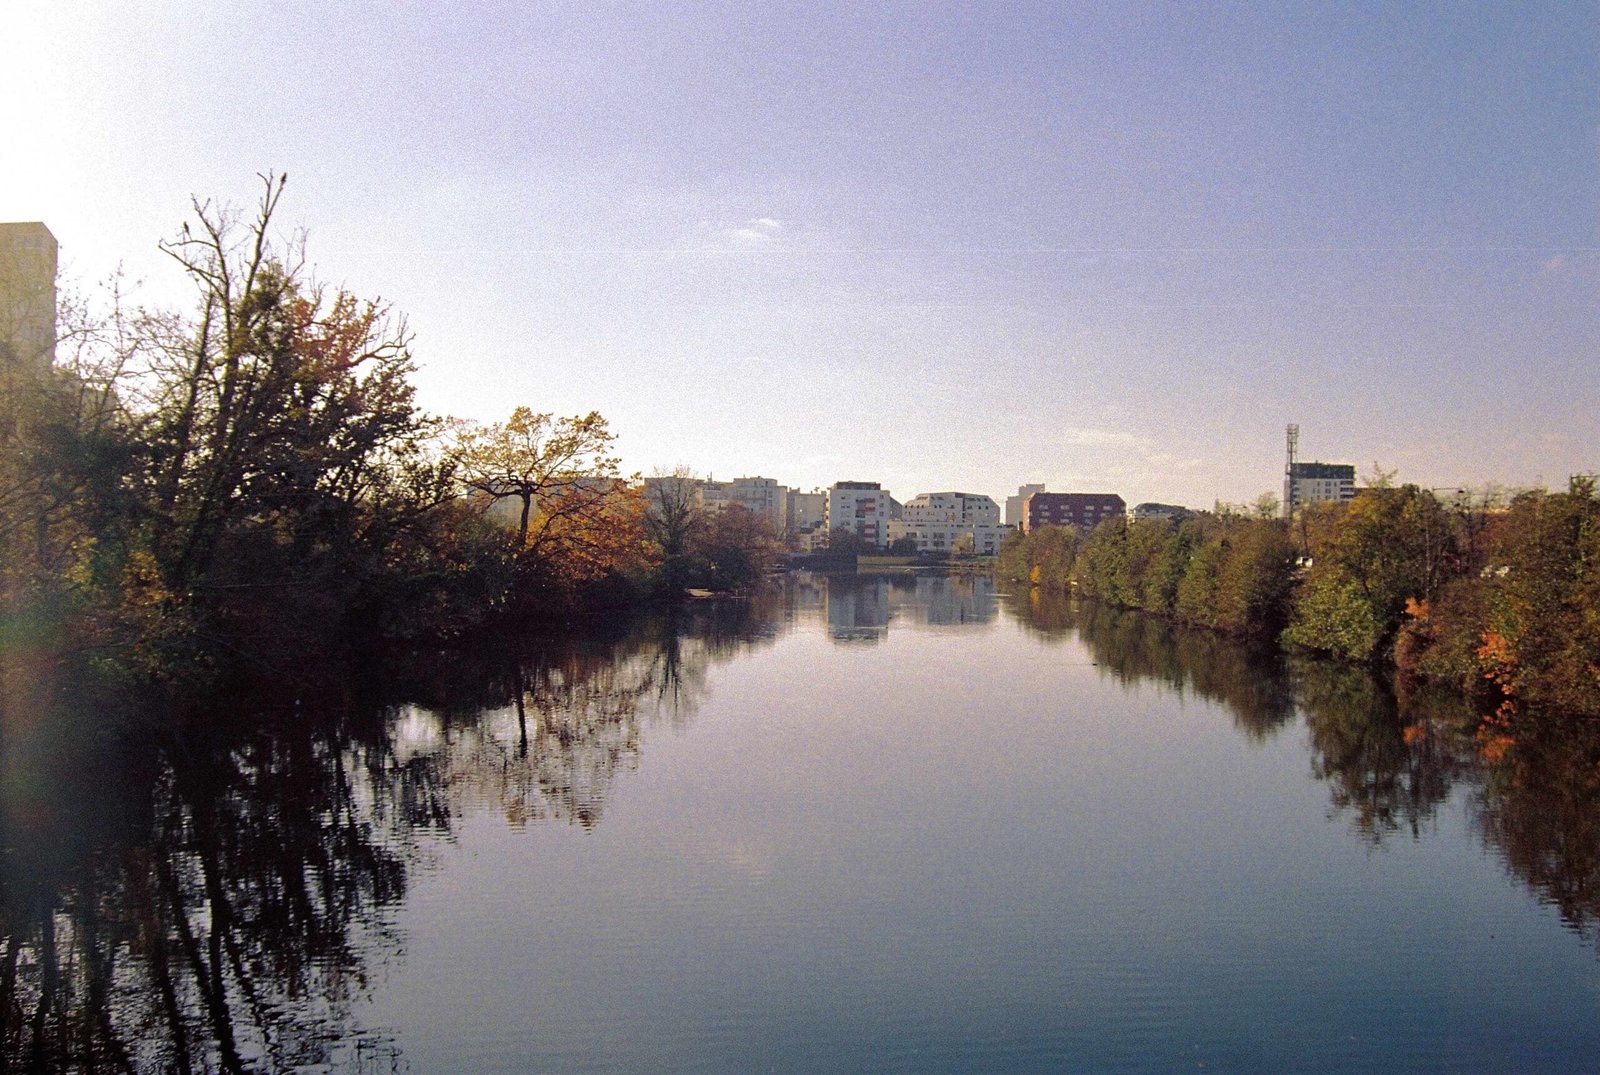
(760,230)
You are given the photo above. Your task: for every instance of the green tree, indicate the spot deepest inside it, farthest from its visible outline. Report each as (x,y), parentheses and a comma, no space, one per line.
(1043,557)
(1388,546)
(845,542)
(1098,570)
(1148,579)
(1254,579)
(905,545)
(1542,639)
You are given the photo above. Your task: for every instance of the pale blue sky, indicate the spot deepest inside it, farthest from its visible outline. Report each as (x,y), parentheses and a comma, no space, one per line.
(1103,246)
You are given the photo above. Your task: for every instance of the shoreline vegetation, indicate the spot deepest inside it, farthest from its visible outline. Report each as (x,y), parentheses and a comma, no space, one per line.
(1499,601)
(251,479)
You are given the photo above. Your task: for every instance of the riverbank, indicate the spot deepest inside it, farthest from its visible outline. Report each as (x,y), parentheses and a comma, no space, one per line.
(1500,605)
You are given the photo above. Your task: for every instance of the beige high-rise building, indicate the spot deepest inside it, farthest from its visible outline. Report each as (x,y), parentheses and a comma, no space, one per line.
(1014,504)
(763,497)
(28,294)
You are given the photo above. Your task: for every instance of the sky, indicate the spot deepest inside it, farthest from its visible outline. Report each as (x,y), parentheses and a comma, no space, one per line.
(1100,246)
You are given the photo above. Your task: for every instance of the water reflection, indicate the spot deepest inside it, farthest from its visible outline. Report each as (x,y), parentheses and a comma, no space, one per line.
(860,608)
(1388,770)
(1251,682)
(218,895)
(1540,810)
(552,725)
(224,924)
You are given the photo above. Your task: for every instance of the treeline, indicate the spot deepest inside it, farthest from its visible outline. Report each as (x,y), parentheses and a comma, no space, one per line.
(1228,573)
(255,471)
(1500,600)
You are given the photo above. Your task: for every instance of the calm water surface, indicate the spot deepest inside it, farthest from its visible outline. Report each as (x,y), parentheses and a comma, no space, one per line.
(862,825)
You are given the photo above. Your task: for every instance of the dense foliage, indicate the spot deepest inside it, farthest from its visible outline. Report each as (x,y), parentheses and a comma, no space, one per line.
(1499,600)
(253,475)
(1227,572)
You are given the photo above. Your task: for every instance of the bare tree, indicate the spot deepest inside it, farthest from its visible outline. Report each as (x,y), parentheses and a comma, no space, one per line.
(673,513)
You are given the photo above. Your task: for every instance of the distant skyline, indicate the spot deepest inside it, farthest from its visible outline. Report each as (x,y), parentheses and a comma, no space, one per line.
(1101,247)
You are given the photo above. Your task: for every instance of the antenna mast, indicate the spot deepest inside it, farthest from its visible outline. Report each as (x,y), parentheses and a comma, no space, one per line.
(1292,443)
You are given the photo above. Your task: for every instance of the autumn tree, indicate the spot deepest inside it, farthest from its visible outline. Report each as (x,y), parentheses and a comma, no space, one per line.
(733,549)
(1042,557)
(1542,639)
(1255,578)
(1388,546)
(276,408)
(577,518)
(71,517)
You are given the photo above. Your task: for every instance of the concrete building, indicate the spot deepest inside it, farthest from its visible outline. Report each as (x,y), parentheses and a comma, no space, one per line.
(962,509)
(1014,504)
(805,511)
(946,537)
(762,497)
(1083,510)
(1311,483)
(28,254)
(862,508)
(938,522)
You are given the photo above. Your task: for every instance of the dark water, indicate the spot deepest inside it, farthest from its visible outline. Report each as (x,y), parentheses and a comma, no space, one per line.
(859,825)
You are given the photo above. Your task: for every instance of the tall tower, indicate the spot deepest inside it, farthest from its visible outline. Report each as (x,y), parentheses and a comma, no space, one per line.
(28,294)
(1292,443)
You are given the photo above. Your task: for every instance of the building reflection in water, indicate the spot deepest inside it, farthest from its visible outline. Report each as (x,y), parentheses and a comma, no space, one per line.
(862,607)
(217,891)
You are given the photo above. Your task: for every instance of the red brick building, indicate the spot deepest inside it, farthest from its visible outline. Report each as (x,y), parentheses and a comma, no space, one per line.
(1083,510)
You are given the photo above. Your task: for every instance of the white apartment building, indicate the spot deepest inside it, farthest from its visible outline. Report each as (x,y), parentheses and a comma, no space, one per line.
(862,508)
(962,509)
(946,537)
(938,521)
(1311,483)
(28,255)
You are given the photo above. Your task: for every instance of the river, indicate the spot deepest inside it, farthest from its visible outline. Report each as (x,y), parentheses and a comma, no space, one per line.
(857,824)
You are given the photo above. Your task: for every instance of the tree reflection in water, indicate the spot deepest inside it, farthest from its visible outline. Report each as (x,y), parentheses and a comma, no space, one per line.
(223,927)
(1389,763)
(1249,681)
(1539,807)
(548,727)
(1390,770)
(218,895)
(217,892)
